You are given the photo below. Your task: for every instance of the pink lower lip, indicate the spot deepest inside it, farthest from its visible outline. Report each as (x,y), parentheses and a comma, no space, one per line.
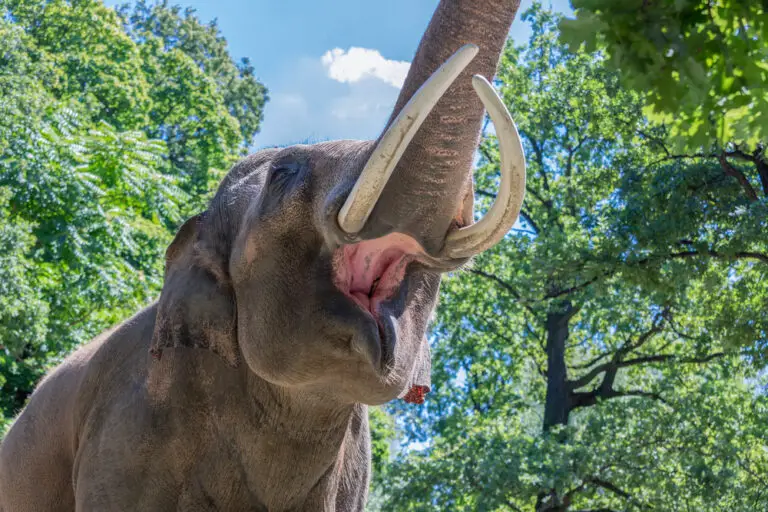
(389,281)
(377,265)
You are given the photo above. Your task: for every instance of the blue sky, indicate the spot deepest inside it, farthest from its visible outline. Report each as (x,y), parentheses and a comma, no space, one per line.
(333,67)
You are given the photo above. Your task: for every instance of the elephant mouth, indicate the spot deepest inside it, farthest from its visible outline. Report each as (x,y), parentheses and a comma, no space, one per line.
(371,273)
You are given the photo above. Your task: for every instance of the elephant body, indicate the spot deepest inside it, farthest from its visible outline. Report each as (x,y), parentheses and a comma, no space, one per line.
(300,296)
(125,430)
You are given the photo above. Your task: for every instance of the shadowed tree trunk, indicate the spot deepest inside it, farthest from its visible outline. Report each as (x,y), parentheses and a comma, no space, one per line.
(557,406)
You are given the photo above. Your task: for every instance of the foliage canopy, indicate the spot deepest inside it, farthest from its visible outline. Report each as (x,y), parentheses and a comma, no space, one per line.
(605,355)
(113,127)
(702,65)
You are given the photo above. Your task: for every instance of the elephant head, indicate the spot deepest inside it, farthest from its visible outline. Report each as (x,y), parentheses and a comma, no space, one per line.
(318,266)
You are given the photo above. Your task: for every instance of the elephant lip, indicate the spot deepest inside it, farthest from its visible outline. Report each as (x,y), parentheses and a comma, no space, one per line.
(384,284)
(370,273)
(380,342)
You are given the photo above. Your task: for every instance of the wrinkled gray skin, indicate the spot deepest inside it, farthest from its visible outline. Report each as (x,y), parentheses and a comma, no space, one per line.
(245,386)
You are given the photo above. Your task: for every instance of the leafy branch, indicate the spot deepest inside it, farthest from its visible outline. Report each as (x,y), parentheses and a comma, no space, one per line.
(728,169)
(514,293)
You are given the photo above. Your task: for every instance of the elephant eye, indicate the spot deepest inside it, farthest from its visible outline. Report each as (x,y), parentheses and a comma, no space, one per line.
(283,177)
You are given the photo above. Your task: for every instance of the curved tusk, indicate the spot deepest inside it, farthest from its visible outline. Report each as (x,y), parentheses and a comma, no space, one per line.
(489,230)
(394,142)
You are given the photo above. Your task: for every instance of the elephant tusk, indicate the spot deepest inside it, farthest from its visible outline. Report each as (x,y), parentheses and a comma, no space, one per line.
(393,143)
(485,233)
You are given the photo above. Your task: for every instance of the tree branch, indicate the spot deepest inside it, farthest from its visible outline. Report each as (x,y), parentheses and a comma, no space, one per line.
(586,399)
(539,157)
(590,363)
(732,171)
(485,193)
(613,365)
(611,368)
(546,203)
(553,294)
(757,159)
(715,254)
(498,281)
(656,328)
(569,189)
(541,370)
(472,384)
(667,357)
(633,392)
(484,152)
(506,286)
(737,255)
(523,213)
(611,487)
(762,171)
(529,219)
(654,139)
(540,339)
(605,391)
(559,293)
(618,362)
(760,164)
(680,157)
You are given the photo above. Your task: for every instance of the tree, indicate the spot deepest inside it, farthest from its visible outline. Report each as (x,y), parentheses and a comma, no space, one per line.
(85,207)
(699,63)
(204,105)
(109,135)
(603,356)
(243,95)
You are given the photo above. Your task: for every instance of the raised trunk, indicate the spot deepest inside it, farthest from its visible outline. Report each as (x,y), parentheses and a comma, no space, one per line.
(431,188)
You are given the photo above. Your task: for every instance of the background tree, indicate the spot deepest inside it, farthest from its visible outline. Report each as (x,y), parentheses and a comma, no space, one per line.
(700,64)
(603,356)
(701,67)
(204,104)
(111,130)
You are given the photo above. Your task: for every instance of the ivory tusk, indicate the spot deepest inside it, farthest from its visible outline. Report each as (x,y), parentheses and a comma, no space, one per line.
(488,231)
(382,162)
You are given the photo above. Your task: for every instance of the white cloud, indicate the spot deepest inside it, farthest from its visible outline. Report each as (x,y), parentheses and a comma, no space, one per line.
(356,64)
(308,105)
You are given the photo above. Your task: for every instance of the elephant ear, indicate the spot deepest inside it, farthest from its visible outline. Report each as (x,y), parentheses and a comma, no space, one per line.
(421,379)
(197,306)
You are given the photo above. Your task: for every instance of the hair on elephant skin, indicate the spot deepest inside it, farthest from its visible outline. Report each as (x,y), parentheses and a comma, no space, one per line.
(300,296)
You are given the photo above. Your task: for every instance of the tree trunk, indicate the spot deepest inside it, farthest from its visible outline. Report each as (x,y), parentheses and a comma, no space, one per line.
(557,405)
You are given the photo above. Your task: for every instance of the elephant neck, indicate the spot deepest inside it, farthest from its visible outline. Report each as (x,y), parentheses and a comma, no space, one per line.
(299,413)
(311,446)
(293,449)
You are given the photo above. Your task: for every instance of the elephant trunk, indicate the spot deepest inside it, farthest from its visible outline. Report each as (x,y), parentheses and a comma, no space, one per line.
(428,190)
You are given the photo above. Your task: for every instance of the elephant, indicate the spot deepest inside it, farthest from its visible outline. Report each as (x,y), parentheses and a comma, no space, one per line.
(300,297)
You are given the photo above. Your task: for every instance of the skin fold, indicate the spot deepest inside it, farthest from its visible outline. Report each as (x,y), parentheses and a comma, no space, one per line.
(245,386)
